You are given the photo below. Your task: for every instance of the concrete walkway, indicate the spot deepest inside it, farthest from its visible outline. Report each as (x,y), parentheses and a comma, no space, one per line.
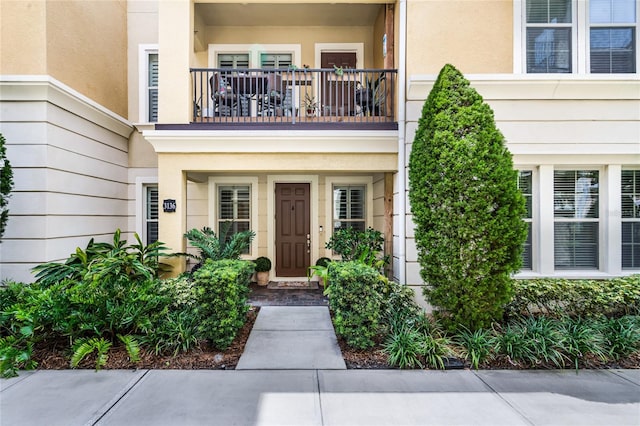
(321,397)
(292,338)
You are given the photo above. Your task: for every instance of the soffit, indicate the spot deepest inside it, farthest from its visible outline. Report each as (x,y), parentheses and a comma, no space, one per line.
(290,14)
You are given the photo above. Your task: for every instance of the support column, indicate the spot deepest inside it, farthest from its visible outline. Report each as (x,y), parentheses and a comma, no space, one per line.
(172,184)
(388,219)
(175,29)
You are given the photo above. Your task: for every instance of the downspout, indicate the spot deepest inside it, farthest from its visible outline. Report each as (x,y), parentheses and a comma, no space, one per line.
(402,174)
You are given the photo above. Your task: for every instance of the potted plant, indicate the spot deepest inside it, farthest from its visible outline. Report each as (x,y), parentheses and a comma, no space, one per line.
(263,266)
(310,105)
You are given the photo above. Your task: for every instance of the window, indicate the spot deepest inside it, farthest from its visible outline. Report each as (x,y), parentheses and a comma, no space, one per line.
(630,219)
(151,214)
(576,213)
(148,66)
(577,36)
(271,60)
(233,60)
(549,27)
(234,210)
(349,207)
(612,36)
(525,185)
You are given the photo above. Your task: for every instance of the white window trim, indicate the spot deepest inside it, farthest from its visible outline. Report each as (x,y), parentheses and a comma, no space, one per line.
(330,182)
(535,196)
(579,38)
(144,50)
(254,51)
(141,183)
(358,48)
(214,183)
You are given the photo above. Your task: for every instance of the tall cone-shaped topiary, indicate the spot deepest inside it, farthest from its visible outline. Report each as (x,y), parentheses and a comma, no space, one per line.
(466,205)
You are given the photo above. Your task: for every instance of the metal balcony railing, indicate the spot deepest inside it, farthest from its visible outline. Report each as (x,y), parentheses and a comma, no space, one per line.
(293,96)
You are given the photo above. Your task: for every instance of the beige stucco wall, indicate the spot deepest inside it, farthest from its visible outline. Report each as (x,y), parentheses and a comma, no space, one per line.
(306,37)
(474,35)
(81,44)
(23,37)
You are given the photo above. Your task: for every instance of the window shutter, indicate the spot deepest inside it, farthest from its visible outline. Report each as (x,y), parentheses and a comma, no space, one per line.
(233,60)
(281,60)
(525,184)
(153,87)
(630,192)
(151,218)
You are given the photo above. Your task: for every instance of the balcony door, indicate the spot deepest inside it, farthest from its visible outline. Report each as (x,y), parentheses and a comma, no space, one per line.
(337,93)
(293,215)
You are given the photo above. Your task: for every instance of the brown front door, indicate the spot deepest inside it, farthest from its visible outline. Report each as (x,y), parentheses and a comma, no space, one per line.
(292,229)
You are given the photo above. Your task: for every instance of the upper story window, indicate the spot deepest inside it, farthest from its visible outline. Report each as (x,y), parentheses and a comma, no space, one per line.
(148,83)
(579,36)
(272,60)
(233,60)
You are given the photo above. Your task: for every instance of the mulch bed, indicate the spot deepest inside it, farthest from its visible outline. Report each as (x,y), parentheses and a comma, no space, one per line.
(56,355)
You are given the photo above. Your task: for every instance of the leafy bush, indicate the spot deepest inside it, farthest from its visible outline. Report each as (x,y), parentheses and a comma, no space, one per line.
(466,206)
(582,337)
(355,297)
(215,247)
(477,346)
(365,246)
(622,336)
(6,184)
(222,289)
(135,261)
(404,347)
(584,298)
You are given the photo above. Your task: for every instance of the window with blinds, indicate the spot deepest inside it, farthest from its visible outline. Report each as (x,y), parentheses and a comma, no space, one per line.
(234,210)
(233,60)
(152,87)
(576,219)
(549,37)
(151,214)
(612,36)
(276,60)
(349,207)
(630,189)
(525,184)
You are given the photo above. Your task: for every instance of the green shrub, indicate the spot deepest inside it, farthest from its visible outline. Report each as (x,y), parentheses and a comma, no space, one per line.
(404,347)
(6,184)
(364,246)
(584,298)
(477,346)
(222,289)
(582,337)
(263,264)
(355,297)
(217,247)
(466,206)
(622,336)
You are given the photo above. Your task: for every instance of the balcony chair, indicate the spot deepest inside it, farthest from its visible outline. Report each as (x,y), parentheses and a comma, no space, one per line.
(224,100)
(372,98)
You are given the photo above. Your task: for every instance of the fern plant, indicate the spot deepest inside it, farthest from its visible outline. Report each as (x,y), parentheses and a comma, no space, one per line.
(132,346)
(218,247)
(85,347)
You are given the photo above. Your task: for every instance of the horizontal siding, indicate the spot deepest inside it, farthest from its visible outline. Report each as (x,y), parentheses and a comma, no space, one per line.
(71,179)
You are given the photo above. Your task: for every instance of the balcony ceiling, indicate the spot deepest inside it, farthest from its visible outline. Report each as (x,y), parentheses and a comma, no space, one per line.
(289,14)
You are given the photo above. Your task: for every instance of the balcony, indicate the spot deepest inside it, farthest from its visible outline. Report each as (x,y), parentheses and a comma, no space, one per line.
(296,99)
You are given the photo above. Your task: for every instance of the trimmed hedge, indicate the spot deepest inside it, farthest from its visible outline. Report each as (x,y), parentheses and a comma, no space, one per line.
(355,296)
(222,288)
(557,297)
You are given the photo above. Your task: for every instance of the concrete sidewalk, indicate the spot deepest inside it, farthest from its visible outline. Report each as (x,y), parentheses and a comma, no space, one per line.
(321,397)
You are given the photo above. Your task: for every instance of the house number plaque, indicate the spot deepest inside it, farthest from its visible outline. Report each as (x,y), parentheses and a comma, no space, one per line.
(169,206)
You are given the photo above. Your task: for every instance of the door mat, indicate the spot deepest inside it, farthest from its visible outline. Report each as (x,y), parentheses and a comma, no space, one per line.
(293,285)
